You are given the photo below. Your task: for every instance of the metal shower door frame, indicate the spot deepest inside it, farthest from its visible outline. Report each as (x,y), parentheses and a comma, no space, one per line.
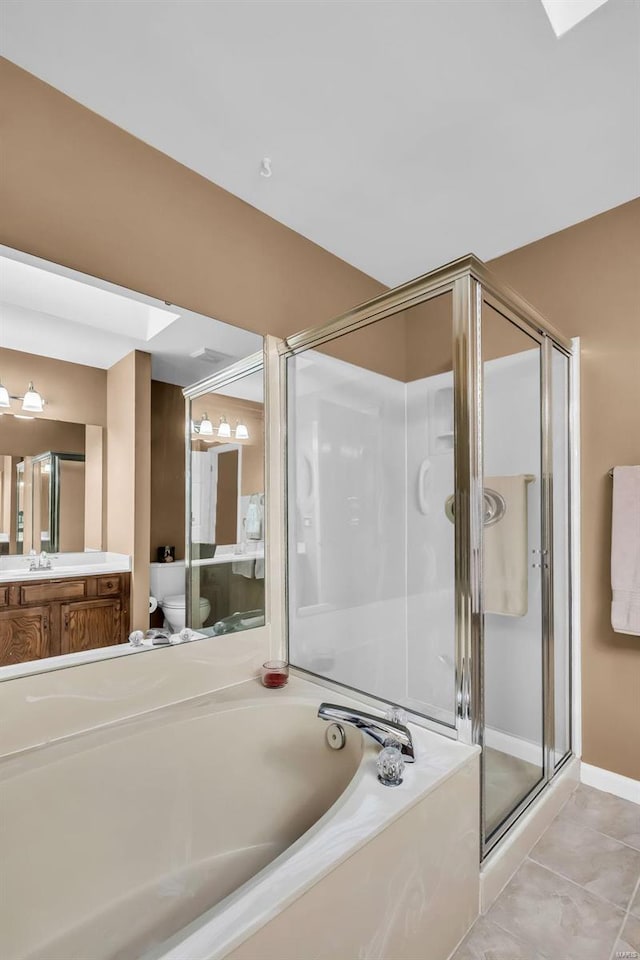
(471,285)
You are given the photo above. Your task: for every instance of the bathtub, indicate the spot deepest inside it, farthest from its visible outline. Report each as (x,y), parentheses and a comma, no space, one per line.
(226,827)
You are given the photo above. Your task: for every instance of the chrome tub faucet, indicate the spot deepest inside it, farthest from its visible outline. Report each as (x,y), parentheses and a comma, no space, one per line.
(378,728)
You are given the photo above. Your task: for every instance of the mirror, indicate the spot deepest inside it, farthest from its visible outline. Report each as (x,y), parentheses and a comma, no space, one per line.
(56,520)
(227,501)
(92,459)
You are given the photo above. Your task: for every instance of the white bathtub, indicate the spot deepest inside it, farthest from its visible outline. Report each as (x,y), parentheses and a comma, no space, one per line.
(226,827)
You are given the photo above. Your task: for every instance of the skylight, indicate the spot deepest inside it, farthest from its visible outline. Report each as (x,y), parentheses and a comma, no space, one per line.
(44,292)
(565,14)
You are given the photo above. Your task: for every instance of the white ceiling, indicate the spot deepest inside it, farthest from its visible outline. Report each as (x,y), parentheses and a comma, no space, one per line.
(51,311)
(402,133)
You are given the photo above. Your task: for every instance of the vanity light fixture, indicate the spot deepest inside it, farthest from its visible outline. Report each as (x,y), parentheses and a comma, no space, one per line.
(224,429)
(32,402)
(206,427)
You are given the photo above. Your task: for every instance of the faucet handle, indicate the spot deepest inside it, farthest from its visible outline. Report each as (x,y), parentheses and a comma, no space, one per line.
(396,715)
(390,765)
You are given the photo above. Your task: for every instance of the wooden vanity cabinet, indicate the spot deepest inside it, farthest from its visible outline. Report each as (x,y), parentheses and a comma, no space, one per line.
(24,635)
(45,618)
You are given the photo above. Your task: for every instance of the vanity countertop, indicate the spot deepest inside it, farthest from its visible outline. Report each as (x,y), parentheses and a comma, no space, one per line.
(228,558)
(89,564)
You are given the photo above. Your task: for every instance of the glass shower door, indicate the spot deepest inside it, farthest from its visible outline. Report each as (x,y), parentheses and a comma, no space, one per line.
(513,559)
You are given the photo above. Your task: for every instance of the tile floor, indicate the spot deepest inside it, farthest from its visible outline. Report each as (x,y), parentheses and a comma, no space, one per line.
(576,896)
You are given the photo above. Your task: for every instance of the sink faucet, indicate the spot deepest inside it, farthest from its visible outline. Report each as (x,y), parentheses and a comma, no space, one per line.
(378,728)
(43,562)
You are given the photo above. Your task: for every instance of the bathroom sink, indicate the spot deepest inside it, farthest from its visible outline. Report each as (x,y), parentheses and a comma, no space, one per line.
(65,565)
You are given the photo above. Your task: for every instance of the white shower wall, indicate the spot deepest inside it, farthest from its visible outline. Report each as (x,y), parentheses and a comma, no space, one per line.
(347,539)
(371,550)
(430,548)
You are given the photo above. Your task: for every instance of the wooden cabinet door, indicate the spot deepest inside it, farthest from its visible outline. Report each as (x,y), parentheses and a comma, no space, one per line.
(89,624)
(24,635)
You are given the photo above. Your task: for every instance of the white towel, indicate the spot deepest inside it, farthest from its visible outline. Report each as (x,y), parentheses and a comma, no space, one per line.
(253,522)
(506,562)
(243,568)
(625,551)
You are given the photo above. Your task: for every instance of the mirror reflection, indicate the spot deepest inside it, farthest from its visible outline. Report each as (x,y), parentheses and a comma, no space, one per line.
(228,506)
(92,456)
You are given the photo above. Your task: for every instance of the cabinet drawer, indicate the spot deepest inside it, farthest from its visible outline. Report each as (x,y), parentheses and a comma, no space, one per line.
(4,596)
(109,586)
(53,590)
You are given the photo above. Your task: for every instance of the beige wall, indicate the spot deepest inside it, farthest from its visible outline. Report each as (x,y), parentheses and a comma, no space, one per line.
(77,190)
(586,280)
(72,391)
(128,473)
(189,242)
(72,494)
(7,496)
(167,468)
(95,502)
(28,438)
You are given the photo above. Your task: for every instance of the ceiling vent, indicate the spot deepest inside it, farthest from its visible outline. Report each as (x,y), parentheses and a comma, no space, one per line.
(214,358)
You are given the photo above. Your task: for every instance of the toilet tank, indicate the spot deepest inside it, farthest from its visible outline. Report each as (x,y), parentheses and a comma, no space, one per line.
(166,579)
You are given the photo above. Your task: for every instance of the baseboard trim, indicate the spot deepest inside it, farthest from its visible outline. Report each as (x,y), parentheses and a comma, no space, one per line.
(610,782)
(514,746)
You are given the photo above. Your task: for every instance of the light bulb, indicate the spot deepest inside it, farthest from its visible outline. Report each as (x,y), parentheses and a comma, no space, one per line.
(206,427)
(32,401)
(224,429)
(241,432)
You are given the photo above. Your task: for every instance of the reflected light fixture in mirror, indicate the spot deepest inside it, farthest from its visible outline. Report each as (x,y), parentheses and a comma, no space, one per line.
(241,432)
(224,430)
(206,427)
(4,397)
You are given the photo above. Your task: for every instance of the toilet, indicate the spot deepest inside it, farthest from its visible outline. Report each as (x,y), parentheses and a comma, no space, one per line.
(167,585)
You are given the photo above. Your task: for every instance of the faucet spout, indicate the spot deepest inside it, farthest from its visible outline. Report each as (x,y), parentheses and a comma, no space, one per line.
(377,728)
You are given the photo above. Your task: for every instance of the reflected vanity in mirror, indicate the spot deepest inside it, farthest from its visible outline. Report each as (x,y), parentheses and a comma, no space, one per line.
(92,465)
(226,484)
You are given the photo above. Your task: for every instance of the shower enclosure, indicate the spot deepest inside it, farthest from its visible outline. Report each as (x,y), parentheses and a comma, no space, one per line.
(428,519)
